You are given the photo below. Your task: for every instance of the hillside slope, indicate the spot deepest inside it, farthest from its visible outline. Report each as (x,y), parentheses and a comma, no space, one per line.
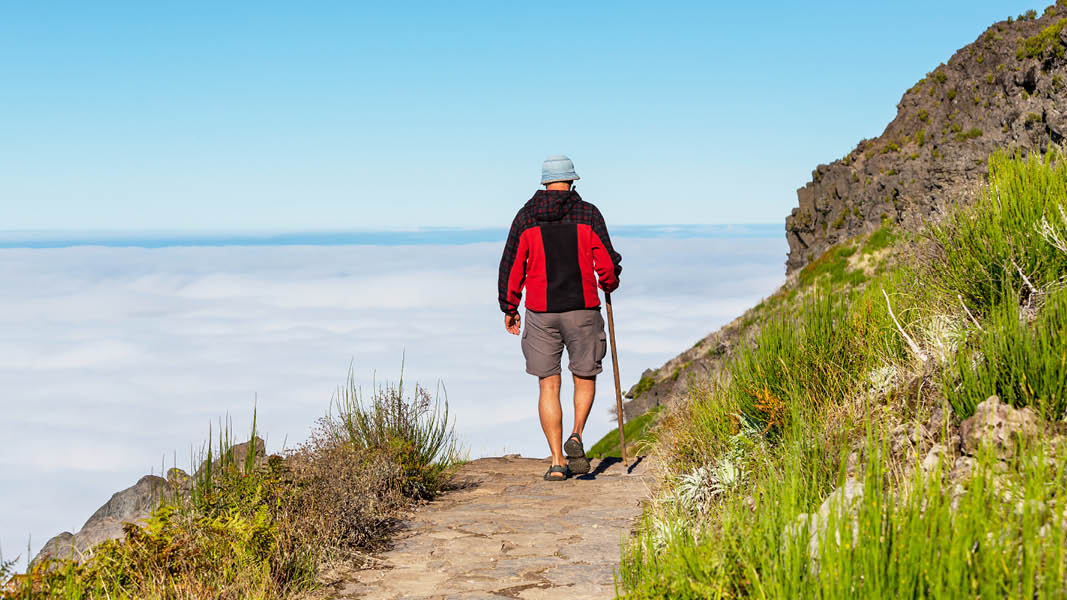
(1006,90)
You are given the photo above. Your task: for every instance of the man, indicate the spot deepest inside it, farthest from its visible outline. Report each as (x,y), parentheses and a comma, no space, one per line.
(559,250)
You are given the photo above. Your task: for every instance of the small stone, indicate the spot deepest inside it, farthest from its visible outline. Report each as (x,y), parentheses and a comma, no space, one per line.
(999,425)
(962,468)
(936,456)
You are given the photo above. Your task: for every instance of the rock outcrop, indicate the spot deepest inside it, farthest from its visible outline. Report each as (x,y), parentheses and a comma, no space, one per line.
(135,504)
(132,505)
(1007,90)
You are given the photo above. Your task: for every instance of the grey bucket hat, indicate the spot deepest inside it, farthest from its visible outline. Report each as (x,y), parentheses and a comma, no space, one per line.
(558,168)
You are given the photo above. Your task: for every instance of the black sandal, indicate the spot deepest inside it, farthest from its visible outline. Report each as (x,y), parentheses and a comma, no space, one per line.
(576,460)
(557,469)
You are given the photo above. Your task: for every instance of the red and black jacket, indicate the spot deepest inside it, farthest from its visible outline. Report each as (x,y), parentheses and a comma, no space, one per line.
(559,249)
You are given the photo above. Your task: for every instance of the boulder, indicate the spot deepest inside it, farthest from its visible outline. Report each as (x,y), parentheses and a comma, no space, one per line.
(141,496)
(999,425)
(937,456)
(841,502)
(132,505)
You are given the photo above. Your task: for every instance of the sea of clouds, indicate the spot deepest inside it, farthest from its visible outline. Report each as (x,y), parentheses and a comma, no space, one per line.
(115,361)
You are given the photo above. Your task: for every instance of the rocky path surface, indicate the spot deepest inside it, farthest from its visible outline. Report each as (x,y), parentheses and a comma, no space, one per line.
(506,533)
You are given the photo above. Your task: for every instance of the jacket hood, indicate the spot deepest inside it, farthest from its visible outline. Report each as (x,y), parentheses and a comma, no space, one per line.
(552,205)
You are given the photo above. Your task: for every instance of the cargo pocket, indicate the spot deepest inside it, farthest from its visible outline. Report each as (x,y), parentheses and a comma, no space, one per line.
(601,348)
(601,341)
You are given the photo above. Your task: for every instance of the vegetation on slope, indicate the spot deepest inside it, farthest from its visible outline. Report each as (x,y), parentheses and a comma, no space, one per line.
(271,529)
(800,472)
(638,433)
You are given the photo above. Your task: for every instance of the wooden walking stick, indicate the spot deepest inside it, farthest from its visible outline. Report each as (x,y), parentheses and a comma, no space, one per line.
(615,369)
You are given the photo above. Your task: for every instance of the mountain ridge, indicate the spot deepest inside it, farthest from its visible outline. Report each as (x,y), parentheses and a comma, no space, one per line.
(1007,89)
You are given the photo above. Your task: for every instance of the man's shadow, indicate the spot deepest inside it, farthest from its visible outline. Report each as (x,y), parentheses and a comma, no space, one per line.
(609,462)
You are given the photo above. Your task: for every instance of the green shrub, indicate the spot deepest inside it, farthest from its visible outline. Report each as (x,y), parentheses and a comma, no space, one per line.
(1024,364)
(416,431)
(643,386)
(801,362)
(986,250)
(1044,44)
(970,134)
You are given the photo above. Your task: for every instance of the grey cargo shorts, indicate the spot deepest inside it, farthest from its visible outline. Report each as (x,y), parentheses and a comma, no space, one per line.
(546,334)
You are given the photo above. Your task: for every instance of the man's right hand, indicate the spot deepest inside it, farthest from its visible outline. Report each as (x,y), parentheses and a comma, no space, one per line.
(513,323)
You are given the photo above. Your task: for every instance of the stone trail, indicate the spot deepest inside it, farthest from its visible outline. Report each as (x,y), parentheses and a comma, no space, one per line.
(506,533)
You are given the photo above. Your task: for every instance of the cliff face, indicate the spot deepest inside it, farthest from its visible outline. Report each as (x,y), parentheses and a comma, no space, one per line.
(1008,89)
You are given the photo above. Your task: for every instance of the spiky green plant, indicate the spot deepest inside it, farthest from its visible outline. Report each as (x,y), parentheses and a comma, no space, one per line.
(416,430)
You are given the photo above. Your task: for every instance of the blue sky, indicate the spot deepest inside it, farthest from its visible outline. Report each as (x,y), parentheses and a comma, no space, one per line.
(328,116)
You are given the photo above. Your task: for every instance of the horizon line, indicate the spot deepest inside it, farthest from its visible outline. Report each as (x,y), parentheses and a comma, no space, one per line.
(41,239)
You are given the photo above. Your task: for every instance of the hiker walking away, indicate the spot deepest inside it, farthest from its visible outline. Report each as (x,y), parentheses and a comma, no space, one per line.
(559,250)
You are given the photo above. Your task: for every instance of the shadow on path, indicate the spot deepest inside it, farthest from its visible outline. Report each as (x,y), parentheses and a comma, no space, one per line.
(608,462)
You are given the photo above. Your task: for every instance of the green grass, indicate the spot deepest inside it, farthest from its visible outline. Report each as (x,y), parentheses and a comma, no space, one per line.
(1025,364)
(638,432)
(916,548)
(882,238)
(948,323)
(833,265)
(992,247)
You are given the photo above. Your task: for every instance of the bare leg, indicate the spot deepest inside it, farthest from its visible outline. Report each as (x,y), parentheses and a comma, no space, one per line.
(584,392)
(552,416)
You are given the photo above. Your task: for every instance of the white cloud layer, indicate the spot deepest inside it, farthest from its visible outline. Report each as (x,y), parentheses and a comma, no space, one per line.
(114,361)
